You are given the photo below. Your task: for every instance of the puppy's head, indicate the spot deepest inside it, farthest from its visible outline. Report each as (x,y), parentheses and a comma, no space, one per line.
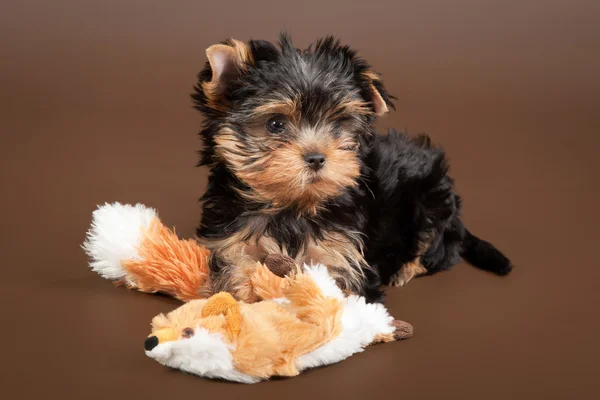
(289,124)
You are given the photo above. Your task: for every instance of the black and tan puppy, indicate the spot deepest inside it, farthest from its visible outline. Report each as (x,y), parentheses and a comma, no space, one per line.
(297,168)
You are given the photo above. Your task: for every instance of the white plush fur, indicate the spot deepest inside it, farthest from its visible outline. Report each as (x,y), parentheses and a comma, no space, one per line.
(361,322)
(207,355)
(204,354)
(114,236)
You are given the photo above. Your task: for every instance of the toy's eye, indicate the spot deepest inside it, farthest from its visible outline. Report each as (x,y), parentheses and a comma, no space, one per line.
(276,124)
(187,333)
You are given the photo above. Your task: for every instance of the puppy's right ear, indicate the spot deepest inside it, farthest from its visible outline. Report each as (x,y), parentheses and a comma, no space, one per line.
(226,62)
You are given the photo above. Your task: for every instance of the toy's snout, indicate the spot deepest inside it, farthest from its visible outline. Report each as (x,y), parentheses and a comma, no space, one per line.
(151,343)
(158,337)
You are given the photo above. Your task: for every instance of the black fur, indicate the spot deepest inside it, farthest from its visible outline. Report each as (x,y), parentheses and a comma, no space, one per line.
(404,197)
(414,203)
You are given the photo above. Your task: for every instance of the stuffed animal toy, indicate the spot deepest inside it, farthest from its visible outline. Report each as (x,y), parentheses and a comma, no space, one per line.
(130,245)
(313,324)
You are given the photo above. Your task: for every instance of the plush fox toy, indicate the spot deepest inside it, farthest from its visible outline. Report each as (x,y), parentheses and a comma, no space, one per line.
(313,324)
(130,245)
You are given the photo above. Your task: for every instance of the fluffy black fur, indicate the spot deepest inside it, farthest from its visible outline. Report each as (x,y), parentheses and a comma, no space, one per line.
(404,196)
(414,203)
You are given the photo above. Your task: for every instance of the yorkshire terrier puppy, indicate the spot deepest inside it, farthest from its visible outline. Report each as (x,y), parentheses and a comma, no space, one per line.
(297,168)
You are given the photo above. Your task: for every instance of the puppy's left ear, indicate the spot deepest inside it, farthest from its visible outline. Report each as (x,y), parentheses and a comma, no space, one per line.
(380,98)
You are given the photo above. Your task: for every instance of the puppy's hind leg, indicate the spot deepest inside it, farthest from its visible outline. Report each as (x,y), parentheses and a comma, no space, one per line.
(408,272)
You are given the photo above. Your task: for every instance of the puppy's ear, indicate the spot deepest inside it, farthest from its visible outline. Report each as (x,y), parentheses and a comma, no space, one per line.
(380,98)
(379,104)
(263,51)
(227,61)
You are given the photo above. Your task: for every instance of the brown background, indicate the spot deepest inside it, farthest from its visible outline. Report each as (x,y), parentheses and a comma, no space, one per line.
(94,108)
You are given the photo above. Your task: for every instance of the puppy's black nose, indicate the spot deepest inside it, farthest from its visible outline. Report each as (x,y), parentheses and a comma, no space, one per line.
(151,343)
(315,160)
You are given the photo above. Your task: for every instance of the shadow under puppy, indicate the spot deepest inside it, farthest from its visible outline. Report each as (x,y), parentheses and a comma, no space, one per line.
(297,168)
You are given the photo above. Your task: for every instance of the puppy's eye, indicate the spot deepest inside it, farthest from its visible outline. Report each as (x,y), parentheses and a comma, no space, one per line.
(187,333)
(276,124)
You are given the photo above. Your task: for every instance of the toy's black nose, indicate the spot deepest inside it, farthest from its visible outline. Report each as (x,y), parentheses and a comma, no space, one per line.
(315,160)
(151,343)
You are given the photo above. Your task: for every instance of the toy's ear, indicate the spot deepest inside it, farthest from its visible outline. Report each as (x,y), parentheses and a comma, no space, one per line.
(224,303)
(380,98)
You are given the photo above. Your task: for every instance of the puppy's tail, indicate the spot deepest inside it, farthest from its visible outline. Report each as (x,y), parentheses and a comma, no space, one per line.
(484,255)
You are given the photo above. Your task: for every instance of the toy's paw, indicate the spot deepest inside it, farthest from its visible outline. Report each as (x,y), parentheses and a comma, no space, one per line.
(404,330)
(280,264)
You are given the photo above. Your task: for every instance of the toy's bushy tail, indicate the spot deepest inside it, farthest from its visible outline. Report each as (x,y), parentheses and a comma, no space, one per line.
(130,245)
(484,255)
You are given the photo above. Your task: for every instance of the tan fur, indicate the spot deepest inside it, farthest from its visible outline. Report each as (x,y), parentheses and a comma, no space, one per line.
(288,107)
(408,272)
(243,255)
(279,175)
(266,285)
(242,53)
(414,268)
(338,253)
(378,102)
(371,75)
(168,264)
(291,108)
(384,338)
(350,107)
(287,180)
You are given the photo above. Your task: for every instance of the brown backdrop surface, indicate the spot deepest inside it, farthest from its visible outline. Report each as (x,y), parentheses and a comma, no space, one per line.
(94,108)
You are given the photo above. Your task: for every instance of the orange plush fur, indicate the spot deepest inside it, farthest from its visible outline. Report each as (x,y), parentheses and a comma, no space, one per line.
(179,267)
(168,264)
